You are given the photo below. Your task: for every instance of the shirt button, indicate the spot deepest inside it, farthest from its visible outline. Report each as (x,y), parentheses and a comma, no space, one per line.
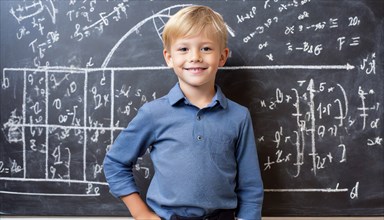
(199,138)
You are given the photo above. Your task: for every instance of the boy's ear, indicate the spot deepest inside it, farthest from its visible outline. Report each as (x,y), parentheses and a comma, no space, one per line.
(223,57)
(168,58)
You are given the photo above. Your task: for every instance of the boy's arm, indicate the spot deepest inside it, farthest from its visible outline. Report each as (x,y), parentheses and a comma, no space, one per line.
(249,183)
(138,209)
(130,144)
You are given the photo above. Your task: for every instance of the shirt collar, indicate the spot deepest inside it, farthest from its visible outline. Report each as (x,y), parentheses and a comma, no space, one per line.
(175,95)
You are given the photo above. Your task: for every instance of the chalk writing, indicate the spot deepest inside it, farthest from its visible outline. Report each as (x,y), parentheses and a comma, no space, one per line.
(309,117)
(297,27)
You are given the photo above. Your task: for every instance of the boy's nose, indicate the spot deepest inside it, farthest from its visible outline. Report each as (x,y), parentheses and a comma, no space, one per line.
(195,57)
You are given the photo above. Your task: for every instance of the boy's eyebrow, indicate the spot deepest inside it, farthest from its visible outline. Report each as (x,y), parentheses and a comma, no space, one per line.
(186,41)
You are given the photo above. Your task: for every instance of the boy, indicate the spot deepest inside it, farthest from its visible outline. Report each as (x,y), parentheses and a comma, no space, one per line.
(203,146)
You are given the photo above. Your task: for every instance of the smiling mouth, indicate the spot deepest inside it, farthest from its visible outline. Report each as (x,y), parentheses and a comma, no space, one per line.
(195,69)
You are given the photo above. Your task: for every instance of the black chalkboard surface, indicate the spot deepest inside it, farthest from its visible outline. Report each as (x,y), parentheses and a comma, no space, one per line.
(74,73)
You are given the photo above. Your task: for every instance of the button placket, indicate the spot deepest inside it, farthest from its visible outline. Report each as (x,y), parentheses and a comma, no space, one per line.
(199,135)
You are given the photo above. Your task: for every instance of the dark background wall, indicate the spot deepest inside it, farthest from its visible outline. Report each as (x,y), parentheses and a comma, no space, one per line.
(74,74)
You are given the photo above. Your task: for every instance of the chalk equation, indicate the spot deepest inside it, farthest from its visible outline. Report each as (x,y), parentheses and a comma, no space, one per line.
(271,18)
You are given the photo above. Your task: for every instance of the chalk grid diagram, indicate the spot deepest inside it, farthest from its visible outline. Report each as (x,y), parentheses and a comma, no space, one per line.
(61,129)
(61,119)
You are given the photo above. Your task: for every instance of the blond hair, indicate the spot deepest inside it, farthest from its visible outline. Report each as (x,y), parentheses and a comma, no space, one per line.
(194,20)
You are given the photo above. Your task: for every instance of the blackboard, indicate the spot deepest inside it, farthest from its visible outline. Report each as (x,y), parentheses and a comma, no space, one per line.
(75,72)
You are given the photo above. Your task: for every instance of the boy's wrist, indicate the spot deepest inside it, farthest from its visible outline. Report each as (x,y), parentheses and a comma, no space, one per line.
(147,215)
(137,207)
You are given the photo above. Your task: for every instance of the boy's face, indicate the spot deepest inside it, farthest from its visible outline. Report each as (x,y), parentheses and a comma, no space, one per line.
(196,59)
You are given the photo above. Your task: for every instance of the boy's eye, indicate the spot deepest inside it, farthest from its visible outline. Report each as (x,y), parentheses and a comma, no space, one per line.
(183,49)
(205,49)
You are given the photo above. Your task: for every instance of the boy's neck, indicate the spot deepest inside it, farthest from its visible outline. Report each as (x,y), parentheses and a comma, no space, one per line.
(200,96)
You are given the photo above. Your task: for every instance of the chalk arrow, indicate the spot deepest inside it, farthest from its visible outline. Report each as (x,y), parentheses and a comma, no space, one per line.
(308,67)
(139,68)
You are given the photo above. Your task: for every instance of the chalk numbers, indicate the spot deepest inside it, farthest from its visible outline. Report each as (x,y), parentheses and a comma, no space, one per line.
(91,189)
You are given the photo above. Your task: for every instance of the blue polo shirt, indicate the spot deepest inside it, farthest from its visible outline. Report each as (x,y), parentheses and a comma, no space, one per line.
(204,159)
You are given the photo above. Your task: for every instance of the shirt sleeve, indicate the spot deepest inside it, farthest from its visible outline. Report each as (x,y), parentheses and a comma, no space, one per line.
(249,183)
(130,144)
